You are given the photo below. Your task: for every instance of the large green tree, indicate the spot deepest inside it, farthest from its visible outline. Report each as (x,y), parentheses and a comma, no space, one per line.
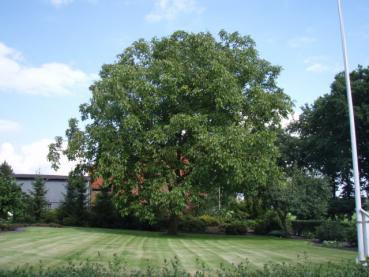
(175,117)
(324,132)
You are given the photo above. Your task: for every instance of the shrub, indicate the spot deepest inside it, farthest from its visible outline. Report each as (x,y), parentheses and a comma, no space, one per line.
(267,223)
(305,227)
(173,268)
(351,234)
(9,227)
(52,216)
(251,224)
(191,224)
(277,233)
(210,220)
(235,228)
(70,221)
(332,231)
(341,207)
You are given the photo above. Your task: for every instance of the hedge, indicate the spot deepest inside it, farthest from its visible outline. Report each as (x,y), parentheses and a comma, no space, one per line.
(174,269)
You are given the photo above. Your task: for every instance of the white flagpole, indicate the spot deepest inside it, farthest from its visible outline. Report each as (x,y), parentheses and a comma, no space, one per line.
(359,224)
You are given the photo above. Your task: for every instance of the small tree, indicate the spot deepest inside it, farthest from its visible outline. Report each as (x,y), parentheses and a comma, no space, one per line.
(301,194)
(38,196)
(74,208)
(10,192)
(104,213)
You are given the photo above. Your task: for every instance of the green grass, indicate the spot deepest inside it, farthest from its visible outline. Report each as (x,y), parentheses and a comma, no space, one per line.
(59,246)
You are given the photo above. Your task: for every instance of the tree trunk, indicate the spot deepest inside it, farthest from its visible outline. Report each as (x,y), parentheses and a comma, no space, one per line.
(283,222)
(173,225)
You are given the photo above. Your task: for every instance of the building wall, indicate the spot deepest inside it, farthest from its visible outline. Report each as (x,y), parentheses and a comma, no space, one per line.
(55,185)
(55,191)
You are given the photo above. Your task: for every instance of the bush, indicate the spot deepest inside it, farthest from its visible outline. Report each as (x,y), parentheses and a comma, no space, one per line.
(70,221)
(267,223)
(305,227)
(191,224)
(235,228)
(10,227)
(210,220)
(351,234)
(332,231)
(52,216)
(341,207)
(277,233)
(251,224)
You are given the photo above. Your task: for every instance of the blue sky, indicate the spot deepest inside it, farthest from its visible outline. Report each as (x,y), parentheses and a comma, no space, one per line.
(52,50)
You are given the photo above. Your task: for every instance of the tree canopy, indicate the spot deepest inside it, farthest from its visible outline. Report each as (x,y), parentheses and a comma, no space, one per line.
(176,117)
(324,132)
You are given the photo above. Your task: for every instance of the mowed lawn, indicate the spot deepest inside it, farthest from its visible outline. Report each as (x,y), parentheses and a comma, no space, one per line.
(57,246)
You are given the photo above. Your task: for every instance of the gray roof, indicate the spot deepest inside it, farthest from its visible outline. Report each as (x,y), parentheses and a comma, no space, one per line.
(60,178)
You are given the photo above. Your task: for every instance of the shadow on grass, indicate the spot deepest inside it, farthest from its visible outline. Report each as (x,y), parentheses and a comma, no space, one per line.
(164,235)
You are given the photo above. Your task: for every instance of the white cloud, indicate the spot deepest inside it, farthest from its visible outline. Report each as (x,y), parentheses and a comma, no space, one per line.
(9,126)
(47,79)
(31,158)
(317,67)
(169,9)
(301,41)
(58,3)
(317,64)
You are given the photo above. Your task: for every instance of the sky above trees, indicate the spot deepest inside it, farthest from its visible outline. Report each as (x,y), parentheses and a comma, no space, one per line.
(52,50)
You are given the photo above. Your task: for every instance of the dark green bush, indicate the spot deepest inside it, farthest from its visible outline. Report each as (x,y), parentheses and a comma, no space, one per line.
(351,234)
(303,227)
(267,223)
(332,231)
(341,207)
(277,233)
(192,224)
(52,216)
(70,221)
(235,228)
(251,224)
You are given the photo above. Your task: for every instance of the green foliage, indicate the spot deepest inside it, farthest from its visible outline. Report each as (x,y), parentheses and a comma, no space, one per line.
(305,227)
(53,216)
(210,220)
(235,228)
(177,116)
(301,194)
(267,223)
(74,207)
(25,214)
(38,198)
(332,231)
(10,193)
(103,211)
(323,129)
(173,268)
(192,224)
(6,170)
(341,207)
